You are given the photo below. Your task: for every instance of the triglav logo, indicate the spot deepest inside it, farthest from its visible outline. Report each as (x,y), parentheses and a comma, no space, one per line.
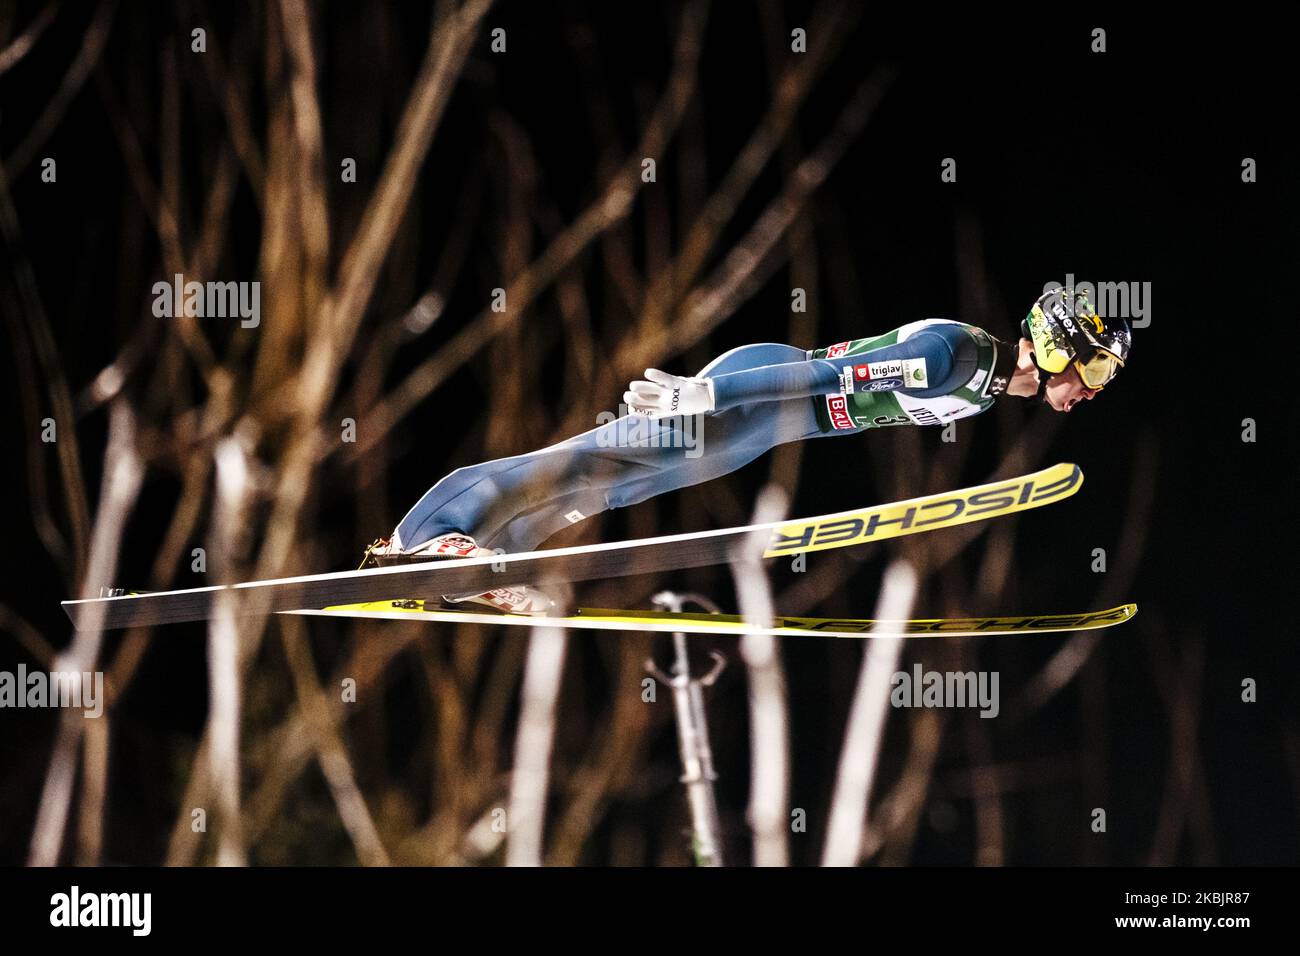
(626,430)
(75,908)
(209,300)
(1112,300)
(54,689)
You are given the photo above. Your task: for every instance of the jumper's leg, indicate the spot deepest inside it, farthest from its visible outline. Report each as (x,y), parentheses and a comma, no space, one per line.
(516,503)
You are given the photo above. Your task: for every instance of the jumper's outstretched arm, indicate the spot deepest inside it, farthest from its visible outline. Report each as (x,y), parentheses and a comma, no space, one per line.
(947,352)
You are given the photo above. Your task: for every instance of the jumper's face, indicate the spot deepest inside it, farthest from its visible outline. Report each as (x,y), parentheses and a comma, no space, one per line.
(1065,390)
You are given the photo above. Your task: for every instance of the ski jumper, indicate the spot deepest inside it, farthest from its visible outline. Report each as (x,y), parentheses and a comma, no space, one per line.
(924,373)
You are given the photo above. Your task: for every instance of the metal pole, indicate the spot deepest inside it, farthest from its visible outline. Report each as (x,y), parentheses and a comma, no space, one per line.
(698,773)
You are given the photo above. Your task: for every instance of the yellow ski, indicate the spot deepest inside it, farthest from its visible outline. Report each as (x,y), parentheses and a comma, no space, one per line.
(610,619)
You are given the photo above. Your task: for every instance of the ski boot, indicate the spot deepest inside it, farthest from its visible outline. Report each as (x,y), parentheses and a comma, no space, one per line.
(514,599)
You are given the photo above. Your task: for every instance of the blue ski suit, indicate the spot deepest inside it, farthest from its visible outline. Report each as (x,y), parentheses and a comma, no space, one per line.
(765,394)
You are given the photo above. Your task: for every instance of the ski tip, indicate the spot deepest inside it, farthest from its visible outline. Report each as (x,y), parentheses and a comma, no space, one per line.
(1074,471)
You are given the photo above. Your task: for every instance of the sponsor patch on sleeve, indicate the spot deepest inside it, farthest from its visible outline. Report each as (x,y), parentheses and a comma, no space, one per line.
(891,368)
(838,349)
(837,407)
(881,385)
(884,376)
(915,374)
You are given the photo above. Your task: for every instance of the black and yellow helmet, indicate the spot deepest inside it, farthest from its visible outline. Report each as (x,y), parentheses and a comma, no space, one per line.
(1066,333)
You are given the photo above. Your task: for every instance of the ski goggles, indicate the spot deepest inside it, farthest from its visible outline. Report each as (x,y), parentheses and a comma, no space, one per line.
(1097,372)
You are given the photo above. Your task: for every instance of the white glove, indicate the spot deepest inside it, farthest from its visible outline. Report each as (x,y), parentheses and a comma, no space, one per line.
(666,395)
